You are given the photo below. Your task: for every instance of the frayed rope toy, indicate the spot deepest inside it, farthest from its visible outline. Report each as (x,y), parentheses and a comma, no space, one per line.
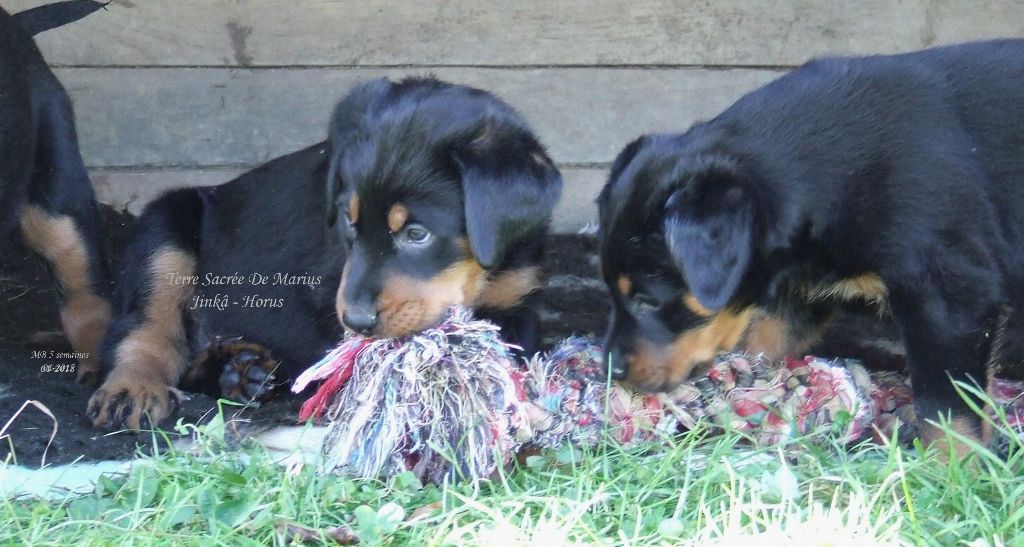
(453,399)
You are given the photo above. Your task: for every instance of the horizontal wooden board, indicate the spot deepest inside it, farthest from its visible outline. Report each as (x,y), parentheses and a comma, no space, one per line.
(523,32)
(133,189)
(227,117)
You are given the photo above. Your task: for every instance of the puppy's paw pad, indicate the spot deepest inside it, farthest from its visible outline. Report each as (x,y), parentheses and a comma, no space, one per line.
(247,370)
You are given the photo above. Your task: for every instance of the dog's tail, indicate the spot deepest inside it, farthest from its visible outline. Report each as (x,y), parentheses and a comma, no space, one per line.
(36,20)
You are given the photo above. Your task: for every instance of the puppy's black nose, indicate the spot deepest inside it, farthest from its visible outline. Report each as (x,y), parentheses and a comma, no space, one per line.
(362,321)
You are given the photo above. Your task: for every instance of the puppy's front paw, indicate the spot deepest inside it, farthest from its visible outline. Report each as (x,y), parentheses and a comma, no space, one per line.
(128,401)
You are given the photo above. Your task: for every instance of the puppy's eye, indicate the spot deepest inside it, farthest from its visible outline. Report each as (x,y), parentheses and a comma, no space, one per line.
(415,233)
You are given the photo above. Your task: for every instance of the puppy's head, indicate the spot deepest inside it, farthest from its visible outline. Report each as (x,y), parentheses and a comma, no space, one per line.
(434,186)
(678,236)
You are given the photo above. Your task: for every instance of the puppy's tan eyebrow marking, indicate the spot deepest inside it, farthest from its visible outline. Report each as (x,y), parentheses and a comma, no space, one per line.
(353,208)
(397,216)
(624,285)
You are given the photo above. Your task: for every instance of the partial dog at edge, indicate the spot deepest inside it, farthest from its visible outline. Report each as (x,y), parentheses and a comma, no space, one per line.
(46,198)
(896,179)
(426,195)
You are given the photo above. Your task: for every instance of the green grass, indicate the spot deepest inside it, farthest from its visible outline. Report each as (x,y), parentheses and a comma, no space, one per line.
(697,489)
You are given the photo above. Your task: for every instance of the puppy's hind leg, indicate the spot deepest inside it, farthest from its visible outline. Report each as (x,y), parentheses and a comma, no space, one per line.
(61,222)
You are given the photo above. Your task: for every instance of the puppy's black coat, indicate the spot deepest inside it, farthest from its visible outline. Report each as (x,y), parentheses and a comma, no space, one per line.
(892,178)
(46,200)
(425,195)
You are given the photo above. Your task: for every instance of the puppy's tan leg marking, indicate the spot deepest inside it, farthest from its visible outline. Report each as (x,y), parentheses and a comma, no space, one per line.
(934,436)
(771,335)
(508,289)
(150,360)
(84,314)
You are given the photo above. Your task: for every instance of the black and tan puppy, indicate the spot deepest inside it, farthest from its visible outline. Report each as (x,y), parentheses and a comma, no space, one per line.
(897,179)
(426,195)
(46,198)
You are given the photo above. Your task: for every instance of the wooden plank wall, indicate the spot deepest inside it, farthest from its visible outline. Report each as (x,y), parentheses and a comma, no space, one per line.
(181,92)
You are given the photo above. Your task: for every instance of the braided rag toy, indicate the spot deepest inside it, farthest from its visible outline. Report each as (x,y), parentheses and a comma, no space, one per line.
(452,400)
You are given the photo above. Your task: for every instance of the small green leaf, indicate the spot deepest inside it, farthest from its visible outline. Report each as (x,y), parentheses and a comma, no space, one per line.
(567,454)
(148,484)
(85,508)
(368,524)
(389,516)
(232,512)
(536,461)
(841,421)
(207,501)
(178,515)
(432,493)
(231,477)
(116,513)
(106,486)
(365,516)
(671,528)
(407,480)
(782,484)
(214,429)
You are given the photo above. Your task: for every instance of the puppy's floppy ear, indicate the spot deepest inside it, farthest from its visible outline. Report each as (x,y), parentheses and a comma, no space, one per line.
(335,187)
(509,186)
(709,227)
(345,122)
(609,208)
(626,156)
(618,166)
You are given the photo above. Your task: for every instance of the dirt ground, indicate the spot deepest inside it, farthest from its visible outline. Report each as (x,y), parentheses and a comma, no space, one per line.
(575,304)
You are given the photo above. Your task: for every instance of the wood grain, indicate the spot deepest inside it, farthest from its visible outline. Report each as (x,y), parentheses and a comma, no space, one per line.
(523,32)
(226,117)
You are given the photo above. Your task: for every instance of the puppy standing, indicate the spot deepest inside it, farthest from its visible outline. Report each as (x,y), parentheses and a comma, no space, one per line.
(898,179)
(426,195)
(45,191)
